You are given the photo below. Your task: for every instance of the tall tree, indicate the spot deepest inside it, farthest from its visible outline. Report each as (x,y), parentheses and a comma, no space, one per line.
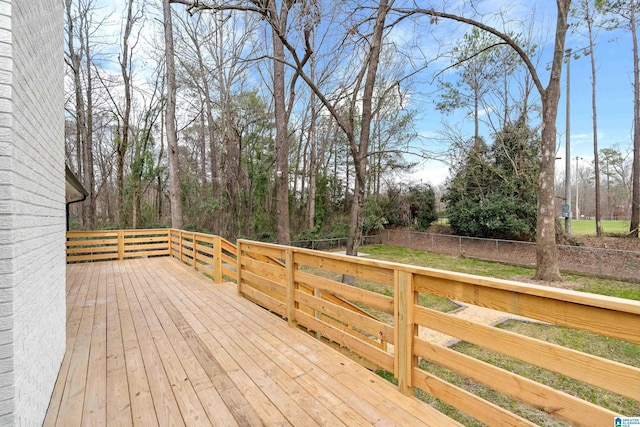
(546,251)
(124,114)
(80,33)
(170,119)
(279,21)
(585,14)
(625,14)
(193,28)
(356,117)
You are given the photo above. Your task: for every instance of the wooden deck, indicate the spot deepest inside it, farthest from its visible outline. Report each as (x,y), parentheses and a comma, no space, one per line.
(151,342)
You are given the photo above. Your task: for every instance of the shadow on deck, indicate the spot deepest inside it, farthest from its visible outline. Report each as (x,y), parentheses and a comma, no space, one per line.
(152,342)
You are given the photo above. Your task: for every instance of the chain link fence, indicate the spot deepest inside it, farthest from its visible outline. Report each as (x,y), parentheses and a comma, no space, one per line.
(336,243)
(599,261)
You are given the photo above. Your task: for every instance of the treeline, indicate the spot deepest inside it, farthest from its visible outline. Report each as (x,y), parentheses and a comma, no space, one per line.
(296,118)
(117,143)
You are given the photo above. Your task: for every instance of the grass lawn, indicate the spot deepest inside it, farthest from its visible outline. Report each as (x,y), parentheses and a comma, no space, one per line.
(587,227)
(605,347)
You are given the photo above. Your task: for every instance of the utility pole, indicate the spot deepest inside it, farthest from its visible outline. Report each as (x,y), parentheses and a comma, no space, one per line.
(567,180)
(577,190)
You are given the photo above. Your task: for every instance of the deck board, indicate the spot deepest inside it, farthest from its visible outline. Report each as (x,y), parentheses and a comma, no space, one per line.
(152,342)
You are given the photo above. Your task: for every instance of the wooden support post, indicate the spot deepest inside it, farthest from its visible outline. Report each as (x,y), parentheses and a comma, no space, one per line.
(239,245)
(169,247)
(120,245)
(180,242)
(195,251)
(217,259)
(318,294)
(291,287)
(405,330)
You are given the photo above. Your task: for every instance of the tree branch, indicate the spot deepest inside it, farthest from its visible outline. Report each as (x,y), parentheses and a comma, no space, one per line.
(507,39)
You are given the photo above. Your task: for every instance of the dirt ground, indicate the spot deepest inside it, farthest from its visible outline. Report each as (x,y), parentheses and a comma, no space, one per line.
(615,257)
(620,243)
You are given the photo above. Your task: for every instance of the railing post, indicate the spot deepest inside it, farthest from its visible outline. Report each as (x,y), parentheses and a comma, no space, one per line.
(180,242)
(169,246)
(239,266)
(405,330)
(318,294)
(120,245)
(291,288)
(217,259)
(194,243)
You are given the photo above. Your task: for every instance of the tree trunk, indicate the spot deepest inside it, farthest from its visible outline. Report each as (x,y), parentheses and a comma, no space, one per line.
(170,121)
(123,142)
(282,137)
(89,177)
(75,59)
(635,192)
(546,250)
(211,133)
(313,164)
(203,154)
(360,151)
(596,161)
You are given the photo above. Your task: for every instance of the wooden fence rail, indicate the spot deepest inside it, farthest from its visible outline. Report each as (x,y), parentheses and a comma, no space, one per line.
(278,288)
(83,246)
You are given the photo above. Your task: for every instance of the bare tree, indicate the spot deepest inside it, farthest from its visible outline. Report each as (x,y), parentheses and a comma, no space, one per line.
(278,21)
(170,119)
(79,60)
(193,32)
(584,14)
(625,14)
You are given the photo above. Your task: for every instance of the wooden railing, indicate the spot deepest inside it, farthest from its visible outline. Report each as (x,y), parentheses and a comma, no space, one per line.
(210,254)
(303,286)
(291,288)
(84,246)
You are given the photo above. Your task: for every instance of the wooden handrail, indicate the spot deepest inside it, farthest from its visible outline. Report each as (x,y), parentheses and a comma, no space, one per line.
(279,291)
(88,246)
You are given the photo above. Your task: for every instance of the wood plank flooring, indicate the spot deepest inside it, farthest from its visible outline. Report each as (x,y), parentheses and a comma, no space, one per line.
(151,342)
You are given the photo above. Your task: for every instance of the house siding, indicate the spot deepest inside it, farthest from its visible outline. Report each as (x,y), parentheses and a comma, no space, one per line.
(32,208)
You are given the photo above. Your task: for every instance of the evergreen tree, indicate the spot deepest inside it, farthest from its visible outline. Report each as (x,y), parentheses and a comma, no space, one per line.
(493,194)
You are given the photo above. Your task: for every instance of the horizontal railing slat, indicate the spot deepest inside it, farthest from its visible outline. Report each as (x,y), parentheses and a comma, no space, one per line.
(344,339)
(376,328)
(547,399)
(268,271)
(264,300)
(607,374)
(351,293)
(467,402)
(370,272)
